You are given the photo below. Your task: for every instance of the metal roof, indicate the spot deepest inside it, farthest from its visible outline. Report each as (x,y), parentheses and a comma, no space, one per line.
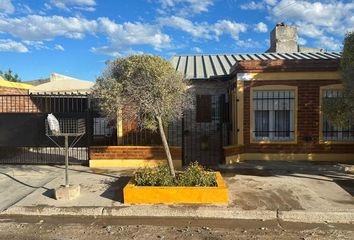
(218,65)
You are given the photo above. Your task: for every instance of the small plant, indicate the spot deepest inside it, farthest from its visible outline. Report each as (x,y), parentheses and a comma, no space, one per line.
(194,175)
(159,176)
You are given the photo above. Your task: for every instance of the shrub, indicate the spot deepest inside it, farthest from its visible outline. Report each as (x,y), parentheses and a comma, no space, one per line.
(194,175)
(159,176)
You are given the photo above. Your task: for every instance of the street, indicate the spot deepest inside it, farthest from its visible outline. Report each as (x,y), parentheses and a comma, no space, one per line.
(57,228)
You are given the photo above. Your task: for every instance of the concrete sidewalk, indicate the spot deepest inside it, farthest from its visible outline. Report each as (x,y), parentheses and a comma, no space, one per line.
(297,193)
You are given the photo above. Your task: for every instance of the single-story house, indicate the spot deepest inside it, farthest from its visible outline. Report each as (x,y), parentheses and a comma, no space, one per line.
(273,103)
(264,106)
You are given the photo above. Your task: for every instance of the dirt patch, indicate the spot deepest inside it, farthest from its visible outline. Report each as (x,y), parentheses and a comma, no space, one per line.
(157,228)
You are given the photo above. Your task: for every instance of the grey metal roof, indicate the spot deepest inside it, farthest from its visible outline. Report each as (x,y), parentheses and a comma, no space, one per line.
(218,65)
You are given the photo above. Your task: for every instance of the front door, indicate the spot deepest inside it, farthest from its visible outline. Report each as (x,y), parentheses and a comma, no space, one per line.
(205,129)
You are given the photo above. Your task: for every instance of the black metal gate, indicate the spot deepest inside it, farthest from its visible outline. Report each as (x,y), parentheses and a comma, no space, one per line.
(22,132)
(205,130)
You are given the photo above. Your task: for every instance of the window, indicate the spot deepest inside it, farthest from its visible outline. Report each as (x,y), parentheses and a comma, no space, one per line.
(330,132)
(204,108)
(273,115)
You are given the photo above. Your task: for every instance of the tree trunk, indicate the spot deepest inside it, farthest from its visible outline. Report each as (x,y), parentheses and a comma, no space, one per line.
(166,147)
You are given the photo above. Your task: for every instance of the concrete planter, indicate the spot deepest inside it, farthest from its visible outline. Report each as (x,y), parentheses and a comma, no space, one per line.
(153,194)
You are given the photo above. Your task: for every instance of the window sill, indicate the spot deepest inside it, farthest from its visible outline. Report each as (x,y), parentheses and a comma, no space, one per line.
(334,142)
(273,141)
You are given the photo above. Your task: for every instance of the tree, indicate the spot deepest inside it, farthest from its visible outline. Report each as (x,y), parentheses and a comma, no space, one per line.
(339,111)
(9,76)
(145,89)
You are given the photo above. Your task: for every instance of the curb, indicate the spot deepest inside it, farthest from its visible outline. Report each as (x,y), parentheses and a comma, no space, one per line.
(316,217)
(185,212)
(142,211)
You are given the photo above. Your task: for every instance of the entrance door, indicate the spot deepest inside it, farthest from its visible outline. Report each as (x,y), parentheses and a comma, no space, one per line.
(205,129)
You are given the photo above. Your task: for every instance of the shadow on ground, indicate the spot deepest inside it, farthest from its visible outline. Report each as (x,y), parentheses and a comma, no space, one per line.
(114,191)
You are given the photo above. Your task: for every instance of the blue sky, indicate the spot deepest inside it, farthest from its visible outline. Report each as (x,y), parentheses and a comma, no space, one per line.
(77,37)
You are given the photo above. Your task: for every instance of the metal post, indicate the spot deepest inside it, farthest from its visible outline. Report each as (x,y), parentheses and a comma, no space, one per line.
(66,161)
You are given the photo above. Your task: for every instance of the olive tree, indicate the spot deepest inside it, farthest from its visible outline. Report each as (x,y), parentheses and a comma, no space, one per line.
(339,111)
(145,89)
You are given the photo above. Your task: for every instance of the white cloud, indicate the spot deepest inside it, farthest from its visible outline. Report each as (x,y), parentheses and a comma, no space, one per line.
(271,2)
(228,27)
(197,30)
(59,47)
(8,45)
(83,5)
(185,7)
(197,49)
(329,43)
(121,36)
(252,6)
(261,27)
(205,30)
(39,28)
(314,18)
(301,41)
(324,21)
(248,43)
(35,44)
(6,6)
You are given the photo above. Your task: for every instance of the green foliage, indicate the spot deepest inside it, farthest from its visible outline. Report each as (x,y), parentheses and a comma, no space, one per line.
(340,111)
(194,175)
(336,111)
(159,176)
(143,87)
(10,76)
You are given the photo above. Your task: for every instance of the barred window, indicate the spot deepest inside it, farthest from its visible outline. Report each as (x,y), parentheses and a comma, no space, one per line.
(273,115)
(332,133)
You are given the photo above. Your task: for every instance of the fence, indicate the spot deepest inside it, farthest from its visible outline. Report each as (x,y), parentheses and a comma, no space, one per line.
(201,133)
(23,139)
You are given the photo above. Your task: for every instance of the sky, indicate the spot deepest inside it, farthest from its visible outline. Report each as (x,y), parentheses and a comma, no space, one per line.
(78,37)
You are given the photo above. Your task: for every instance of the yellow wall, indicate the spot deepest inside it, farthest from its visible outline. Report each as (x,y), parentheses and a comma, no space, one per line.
(130,163)
(290,157)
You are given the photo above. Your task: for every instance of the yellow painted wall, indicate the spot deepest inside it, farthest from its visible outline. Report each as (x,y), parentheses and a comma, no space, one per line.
(290,157)
(130,163)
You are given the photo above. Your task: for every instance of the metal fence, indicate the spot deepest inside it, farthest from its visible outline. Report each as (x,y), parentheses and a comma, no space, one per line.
(22,128)
(201,133)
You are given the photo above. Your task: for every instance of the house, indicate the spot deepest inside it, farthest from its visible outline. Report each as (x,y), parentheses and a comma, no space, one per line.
(60,84)
(264,106)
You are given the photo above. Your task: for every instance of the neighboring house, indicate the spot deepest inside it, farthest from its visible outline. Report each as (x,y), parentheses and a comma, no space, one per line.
(7,87)
(264,106)
(60,84)
(33,96)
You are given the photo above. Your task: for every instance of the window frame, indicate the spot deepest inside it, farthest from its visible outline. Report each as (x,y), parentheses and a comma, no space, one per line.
(252,120)
(322,140)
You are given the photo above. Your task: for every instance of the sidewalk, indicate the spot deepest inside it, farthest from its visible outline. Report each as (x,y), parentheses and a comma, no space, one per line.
(313,194)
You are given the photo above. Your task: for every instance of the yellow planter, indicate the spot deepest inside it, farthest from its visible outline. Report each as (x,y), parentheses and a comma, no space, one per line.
(153,194)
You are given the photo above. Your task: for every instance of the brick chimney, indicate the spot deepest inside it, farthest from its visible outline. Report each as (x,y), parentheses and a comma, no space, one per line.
(283,39)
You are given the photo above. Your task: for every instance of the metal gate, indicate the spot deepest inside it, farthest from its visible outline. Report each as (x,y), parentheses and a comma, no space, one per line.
(22,133)
(205,130)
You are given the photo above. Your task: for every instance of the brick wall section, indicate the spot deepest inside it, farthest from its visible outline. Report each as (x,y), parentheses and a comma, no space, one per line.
(136,152)
(308,121)
(19,103)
